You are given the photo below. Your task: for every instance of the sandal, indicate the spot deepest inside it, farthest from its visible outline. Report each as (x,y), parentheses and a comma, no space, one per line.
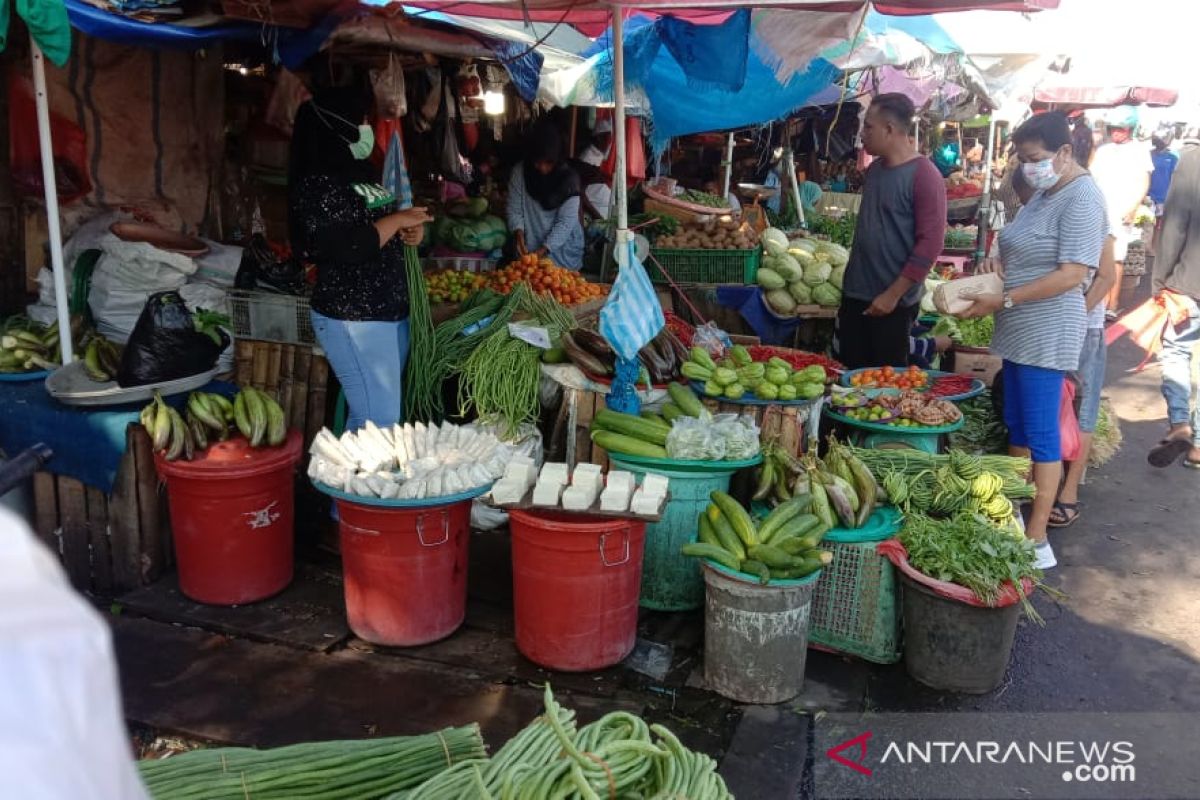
(1064,515)
(1168,451)
(1191,464)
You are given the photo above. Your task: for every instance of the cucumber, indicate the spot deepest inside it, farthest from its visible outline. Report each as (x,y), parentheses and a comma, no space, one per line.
(737,517)
(725,535)
(705,532)
(620,443)
(773,557)
(800,545)
(798,526)
(650,415)
(629,425)
(685,398)
(758,569)
(805,567)
(712,552)
(782,514)
(672,412)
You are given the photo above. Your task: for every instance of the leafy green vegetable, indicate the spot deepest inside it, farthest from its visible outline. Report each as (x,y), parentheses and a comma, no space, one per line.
(839,230)
(983,431)
(977,332)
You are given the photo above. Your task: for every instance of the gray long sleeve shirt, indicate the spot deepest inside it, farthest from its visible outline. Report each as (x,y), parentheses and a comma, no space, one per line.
(1177,263)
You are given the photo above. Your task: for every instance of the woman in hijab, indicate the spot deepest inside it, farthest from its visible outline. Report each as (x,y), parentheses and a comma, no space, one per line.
(341,220)
(543,201)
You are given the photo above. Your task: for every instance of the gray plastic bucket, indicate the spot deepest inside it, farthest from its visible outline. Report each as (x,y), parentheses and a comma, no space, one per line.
(755,636)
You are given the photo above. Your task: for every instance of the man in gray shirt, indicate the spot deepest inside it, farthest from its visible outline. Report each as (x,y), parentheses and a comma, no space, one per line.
(900,233)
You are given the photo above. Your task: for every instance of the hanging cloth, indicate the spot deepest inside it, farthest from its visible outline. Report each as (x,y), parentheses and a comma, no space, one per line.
(711,56)
(395,172)
(47,22)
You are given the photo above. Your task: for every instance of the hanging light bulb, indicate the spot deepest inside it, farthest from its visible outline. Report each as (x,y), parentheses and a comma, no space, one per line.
(493,103)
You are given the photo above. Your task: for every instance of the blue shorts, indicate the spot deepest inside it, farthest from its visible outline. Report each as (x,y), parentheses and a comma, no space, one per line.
(1091,378)
(1032,396)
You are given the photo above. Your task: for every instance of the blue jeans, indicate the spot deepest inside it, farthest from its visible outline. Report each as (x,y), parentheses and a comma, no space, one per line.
(1091,378)
(368,359)
(1176,359)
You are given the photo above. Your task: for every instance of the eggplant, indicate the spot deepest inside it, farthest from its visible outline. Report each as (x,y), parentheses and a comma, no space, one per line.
(681,352)
(582,358)
(652,360)
(595,344)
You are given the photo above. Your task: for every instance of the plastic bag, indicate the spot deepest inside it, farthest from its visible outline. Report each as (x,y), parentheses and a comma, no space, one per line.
(894,551)
(25,156)
(388,85)
(1068,423)
(165,344)
(740,435)
(695,439)
(712,339)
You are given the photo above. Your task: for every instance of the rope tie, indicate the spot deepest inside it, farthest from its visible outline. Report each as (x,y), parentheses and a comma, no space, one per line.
(612,781)
(445,749)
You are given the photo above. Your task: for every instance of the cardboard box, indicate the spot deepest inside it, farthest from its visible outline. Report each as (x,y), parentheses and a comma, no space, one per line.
(977,363)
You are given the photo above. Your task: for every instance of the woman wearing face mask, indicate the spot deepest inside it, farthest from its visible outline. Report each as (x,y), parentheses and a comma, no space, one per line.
(341,220)
(543,201)
(1048,254)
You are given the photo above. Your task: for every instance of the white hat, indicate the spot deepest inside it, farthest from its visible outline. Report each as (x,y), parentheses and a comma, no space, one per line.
(603,126)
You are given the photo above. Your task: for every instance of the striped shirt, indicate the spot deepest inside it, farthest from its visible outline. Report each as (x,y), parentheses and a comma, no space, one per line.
(1068,226)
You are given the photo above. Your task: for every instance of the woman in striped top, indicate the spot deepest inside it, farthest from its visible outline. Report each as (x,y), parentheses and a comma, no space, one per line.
(1047,255)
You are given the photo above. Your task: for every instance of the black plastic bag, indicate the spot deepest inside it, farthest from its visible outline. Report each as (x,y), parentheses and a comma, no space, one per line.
(165,344)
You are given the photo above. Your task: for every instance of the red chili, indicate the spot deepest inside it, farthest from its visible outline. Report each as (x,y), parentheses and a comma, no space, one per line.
(799,359)
(949,385)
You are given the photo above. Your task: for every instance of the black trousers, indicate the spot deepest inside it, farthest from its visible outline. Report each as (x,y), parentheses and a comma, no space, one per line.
(860,341)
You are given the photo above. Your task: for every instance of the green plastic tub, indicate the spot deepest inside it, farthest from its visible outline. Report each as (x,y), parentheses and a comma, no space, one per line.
(671,581)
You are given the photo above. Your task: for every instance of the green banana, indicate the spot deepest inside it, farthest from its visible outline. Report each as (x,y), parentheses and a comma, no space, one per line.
(179,434)
(201,411)
(276,424)
(199,435)
(241,416)
(146,418)
(162,424)
(91,363)
(257,413)
(223,404)
(109,356)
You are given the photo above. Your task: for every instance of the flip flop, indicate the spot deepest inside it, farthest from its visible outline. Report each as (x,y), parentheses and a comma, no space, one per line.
(1069,514)
(1190,464)
(1167,452)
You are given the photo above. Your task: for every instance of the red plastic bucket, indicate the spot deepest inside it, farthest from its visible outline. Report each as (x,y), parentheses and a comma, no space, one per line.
(575,588)
(232,515)
(405,571)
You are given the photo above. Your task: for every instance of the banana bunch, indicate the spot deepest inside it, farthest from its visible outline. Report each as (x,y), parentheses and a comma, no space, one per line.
(167,429)
(259,418)
(26,346)
(101,358)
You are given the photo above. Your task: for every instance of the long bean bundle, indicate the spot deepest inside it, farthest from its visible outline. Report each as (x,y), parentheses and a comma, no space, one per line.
(913,463)
(618,756)
(351,769)
(500,382)
(421,347)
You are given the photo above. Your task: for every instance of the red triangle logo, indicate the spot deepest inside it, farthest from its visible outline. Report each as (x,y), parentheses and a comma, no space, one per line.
(858,742)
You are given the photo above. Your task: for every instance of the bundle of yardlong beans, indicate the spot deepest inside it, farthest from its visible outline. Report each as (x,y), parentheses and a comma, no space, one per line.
(421,346)
(616,757)
(500,382)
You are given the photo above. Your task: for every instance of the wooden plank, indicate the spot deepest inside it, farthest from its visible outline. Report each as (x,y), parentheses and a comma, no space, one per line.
(244,361)
(97,523)
(262,361)
(286,380)
(585,410)
(124,518)
(274,364)
(150,557)
(318,378)
(300,372)
(45,502)
(72,506)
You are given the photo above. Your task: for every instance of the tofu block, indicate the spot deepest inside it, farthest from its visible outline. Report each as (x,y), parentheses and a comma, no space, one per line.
(655,485)
(554,472)
(643,503)
(525,474)
(577,498)
(620,479)
(586,469)
(590,481)
(508,491)
(615,498)
(547,493)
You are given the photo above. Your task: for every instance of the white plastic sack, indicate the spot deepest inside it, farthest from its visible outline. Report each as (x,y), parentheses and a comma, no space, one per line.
(219,265)
(139,265)
(62,736)
(42,313)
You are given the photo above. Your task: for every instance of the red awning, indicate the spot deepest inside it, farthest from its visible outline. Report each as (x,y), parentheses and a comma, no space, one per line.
(1104,96)
(591,18)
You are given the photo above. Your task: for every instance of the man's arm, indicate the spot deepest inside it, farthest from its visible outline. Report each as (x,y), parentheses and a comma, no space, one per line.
(929,208)
(1106,276)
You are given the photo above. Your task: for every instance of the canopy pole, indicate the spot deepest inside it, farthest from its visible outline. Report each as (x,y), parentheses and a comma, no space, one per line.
(790,165)
(53,228)
(728,165)
(985,204)
(620,184)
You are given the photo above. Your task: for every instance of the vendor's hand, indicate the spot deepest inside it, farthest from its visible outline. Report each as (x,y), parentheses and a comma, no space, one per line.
(942,343)
(413,236)
(520,243)
(883,305)
(990,264)
(413,217)
(984,304)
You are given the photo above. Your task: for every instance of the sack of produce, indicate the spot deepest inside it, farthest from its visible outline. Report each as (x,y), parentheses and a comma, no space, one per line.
(167,344)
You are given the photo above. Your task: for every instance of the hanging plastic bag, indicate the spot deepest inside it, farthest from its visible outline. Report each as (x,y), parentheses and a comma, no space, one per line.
(25,157)
(714,340)
(388,85)
(165,344)
(1068,423)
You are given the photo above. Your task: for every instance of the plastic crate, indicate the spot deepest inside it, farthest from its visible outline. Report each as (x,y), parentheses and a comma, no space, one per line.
(270,317)
(705,266)
(855,606)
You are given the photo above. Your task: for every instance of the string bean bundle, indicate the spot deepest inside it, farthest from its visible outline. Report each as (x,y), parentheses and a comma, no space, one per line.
(915,463)
(421,347)
(500,382)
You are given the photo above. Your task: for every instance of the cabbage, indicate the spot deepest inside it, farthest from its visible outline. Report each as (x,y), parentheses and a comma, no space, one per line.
(774,242)
(832,249)
(836,275)
(817,273)
(801,255)
(801,292)
(780,301)
(807,245)
(827,295)
(788,268)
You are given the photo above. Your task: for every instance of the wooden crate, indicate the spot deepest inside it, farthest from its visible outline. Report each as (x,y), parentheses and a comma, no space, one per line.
(108,543)
(977,363)
(296,375)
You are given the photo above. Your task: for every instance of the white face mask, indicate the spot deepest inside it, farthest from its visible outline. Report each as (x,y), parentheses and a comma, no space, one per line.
(366,143)
(1040,175)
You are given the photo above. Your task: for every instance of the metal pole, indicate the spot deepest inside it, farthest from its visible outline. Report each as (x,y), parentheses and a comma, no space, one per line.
(52,221)
(620,187)
(790,165)
(728,166)
(985,204)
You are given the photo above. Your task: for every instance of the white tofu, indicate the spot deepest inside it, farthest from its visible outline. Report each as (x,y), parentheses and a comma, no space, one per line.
(507,492)
(525,473)
(521,459)
(615,498)
(646,504)
(576,498)
(589,481)
(586,469)
(620,479)
(655,485)
(554,472)
(547,493)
